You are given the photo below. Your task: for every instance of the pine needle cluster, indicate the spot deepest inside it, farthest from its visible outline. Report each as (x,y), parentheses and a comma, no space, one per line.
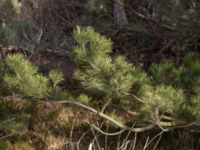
(27,85)
(24,78)
(101,75)
(185,78)
(167,90)
(110,81)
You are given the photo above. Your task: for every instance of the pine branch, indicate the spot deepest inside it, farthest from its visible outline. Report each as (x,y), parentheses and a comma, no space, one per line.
(104,116)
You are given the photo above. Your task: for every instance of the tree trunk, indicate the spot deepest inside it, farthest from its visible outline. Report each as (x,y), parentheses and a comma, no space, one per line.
(119,13)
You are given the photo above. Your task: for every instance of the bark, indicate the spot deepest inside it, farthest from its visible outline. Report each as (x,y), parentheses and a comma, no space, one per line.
(119,13)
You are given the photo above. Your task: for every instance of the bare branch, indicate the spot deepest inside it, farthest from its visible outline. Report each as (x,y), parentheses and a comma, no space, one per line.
(104,116)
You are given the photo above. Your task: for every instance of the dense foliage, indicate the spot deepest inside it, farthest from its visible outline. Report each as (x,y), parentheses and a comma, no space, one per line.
(167,91)
(135,74)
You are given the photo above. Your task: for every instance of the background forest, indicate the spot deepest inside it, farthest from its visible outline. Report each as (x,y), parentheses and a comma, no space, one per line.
(99,74)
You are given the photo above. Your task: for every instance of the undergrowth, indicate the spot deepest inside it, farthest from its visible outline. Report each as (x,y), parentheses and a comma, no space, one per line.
(113,94)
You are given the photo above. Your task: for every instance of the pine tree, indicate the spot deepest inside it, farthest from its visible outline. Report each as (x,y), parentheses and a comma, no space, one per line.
(185,77)
(104,77)
(166,91)
(166,96)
